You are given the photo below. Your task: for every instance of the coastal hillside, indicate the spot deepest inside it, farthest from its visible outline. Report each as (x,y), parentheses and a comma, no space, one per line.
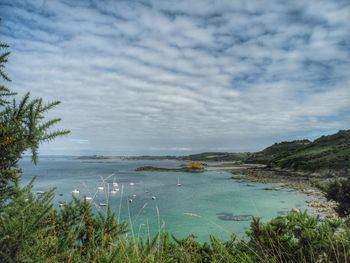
(331,152)
(277,151)
(327,152)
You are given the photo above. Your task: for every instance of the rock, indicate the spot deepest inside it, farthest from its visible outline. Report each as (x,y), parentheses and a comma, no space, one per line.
(272,189)
(231,217)
(316,204)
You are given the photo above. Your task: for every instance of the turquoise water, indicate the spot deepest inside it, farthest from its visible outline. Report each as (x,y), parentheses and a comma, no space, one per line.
(198,207)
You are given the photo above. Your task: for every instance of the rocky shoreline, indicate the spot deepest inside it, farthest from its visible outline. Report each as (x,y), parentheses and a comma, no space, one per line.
(294,180)
(282,178)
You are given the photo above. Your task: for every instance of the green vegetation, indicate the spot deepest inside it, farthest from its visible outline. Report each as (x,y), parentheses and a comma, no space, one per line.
(32,230)
(276,151)
(216,156)
(22,128)
(327,153)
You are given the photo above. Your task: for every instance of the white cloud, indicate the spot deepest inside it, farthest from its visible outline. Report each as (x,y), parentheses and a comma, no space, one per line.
(138,77)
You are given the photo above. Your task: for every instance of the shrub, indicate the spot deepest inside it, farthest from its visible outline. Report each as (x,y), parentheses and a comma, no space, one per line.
(339,191)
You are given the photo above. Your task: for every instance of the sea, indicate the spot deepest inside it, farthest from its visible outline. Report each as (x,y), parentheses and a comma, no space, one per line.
(208,203)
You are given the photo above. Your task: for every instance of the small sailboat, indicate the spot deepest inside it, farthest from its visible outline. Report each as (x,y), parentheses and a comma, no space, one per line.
(114,191)
(115,184)
(178,181)
(75,192)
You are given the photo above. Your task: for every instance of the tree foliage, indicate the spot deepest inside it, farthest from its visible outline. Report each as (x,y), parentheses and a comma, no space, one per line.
(23,126)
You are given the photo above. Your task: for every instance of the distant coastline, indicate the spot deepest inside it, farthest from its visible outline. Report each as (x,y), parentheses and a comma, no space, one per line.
(328,155)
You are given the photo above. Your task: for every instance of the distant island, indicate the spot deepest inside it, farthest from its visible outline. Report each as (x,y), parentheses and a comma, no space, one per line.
(188,167)
(327,154)
(93,157)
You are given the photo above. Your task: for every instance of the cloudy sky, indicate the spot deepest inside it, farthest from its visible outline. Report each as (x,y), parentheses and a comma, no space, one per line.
(184,76)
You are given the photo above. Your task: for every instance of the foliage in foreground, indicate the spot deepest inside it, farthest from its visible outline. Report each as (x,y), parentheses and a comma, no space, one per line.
(32,230)
(22,128)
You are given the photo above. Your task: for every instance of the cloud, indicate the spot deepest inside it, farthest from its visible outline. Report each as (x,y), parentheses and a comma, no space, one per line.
(140,77)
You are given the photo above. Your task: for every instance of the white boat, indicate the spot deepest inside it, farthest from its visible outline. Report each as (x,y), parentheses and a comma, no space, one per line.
(178,181)
(153,198)
(134,195)
(114,191)
(115,184)
(130,200)
(88,198)
(100,188)
(40,192)
(75,192)
(132,184)
(103,204)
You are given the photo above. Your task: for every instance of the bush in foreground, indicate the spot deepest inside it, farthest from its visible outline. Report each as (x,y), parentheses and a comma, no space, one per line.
(32,230)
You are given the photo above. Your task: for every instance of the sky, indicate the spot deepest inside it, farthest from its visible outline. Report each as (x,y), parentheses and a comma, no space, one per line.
(184,76)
